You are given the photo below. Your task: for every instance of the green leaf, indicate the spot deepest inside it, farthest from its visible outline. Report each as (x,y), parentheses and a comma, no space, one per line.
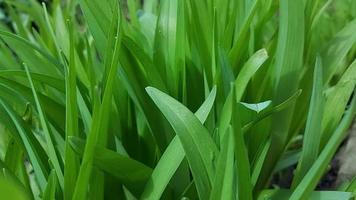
(131,173)
(98,16)
(100,119)
(288,159)
(50,192)
(169,42)
(312,134)
(31,145)
(224,176)
(285,194)
(269,111)
(14,164)
(22,41)
(258,162)
(43,78)
(337,50)
(71,161)
(155,78)
(242,168)
(351,187)
(15,92)
(86,117)
(10,190)
(197,143)
(285,77)
(49,141)
(237,49)
(241,82)
(311,179)
(336,100)
(257,107)
(248,70)
(168,166)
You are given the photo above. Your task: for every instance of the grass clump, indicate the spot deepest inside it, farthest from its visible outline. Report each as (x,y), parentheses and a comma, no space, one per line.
(174,99)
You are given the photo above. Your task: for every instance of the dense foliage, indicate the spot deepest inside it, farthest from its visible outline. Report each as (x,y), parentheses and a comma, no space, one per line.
(174,99)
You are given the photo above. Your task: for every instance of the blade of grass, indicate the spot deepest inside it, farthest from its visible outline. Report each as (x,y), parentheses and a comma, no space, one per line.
(29,143)
(157,183)
(49,141)
(273,110)
(289,57)
(351,187)
(98,16)
(23,41)
(241,82)
(224,175)
(14,161)
(10,190)
(236,51)
(13,90)
(285,194)
(258,162)
(43,78)
(311,179)
(337,100)
(131,173)
(50,192)
(312,134)
(242,164)
(196,141)
(99,123)
(71,161)
(337,50)
(289,158)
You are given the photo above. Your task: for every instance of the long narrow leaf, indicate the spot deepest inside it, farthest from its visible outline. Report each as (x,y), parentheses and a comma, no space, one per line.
(157,182)
(310,180)
(49,141)
(312,135)
(196,141)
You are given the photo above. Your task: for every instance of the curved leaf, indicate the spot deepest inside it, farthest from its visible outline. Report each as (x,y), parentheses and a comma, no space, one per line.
(173,156)
(199,147)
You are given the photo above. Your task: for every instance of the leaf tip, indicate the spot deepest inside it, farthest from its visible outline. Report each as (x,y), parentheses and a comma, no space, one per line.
(263,52)
(149,89)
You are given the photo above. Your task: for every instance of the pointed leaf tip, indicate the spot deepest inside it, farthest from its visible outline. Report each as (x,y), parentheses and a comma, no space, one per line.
(263,52)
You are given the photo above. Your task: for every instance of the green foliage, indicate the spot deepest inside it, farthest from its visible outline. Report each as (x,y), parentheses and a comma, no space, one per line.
(174,99)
